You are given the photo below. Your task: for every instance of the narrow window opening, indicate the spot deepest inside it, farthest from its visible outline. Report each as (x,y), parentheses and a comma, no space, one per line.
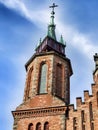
(67,112)
(74,123)
(28,83)
(43,79)
(83,120)
(91,116)
(90,111)
(38,126)
(92,126)
(30,127)
(46,126)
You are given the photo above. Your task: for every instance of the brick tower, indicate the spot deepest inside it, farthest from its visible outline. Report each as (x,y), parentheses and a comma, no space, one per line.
(46,103)
(47,88)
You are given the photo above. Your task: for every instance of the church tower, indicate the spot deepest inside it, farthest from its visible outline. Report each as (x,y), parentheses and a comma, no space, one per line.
(47,88)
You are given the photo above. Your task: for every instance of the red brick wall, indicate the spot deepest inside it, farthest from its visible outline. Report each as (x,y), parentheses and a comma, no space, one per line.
(49,107)
(84,106)
(52,60)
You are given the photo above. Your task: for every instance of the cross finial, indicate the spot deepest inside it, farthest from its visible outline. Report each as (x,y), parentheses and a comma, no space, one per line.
(53,6)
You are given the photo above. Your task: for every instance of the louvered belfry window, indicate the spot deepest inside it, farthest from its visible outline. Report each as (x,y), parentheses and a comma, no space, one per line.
(43,79)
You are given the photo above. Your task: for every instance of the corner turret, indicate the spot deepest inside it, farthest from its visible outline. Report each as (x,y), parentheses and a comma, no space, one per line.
(95,73)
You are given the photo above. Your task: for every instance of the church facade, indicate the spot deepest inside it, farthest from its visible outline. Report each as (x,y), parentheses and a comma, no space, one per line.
(46,102)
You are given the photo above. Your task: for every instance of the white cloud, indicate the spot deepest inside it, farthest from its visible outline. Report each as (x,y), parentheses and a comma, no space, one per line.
(17,5)
(32,15)
(80,41)
(40,18)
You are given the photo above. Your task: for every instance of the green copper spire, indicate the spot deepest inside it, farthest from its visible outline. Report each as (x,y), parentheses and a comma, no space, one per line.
(51,26)
(62,41)
(39,42)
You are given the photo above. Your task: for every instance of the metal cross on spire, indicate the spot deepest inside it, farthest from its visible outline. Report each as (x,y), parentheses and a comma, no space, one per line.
(53,6)
(51,26)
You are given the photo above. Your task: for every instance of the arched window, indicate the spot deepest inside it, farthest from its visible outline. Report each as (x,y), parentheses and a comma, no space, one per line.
(46,126)
(91,115)
(38,126)
(74,123)
(28,83)
(30,127)
(92,126)
(90,111)
(43,79)
(58,80)
(83,119)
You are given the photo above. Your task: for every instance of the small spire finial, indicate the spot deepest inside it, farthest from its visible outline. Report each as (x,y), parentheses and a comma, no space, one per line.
(61,39)
(39,42)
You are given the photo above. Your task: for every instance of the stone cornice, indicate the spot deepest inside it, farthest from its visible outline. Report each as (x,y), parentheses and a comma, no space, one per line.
(50,111)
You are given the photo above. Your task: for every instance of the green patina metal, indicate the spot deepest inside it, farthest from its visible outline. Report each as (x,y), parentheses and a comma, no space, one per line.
(51,26)
(62,41)
(39,43)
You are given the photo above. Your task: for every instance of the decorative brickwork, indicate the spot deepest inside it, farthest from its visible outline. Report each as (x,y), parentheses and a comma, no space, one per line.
(39,112)
(51,110)
(86,112)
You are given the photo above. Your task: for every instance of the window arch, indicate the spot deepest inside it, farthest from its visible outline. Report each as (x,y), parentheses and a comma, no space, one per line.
(29,76)
(58,80)
(30,127)
(91,115)
(92,126)
(38,126)
(46,126)
(90,111)
(83,119)
(74,123)
(43,79)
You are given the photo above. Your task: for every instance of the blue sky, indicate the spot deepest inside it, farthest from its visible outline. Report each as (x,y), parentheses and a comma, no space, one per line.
(22,24)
